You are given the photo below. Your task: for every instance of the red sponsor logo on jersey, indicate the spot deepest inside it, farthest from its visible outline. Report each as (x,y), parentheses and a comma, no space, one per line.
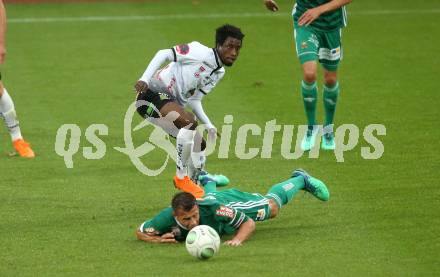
(197,74)
(182,49)
(171,84)
(225,211)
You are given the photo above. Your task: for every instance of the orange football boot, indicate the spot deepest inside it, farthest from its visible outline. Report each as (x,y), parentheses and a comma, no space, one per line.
(187,185)
(23,148)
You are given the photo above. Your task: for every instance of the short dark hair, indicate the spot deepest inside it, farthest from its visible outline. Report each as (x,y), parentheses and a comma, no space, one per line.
(183,200)
(225,31)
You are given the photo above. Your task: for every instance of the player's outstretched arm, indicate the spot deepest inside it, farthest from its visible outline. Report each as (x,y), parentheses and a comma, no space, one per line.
(244,232)
(312,14)
(271,5)
(165,238)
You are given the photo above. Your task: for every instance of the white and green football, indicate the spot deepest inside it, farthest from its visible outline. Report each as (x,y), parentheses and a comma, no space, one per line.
(203,242)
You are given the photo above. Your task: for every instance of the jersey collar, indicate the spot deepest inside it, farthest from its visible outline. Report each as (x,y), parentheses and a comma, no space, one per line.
(217,58)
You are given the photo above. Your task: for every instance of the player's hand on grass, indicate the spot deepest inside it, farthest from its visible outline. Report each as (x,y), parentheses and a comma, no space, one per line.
(140,87)
(271,5)
(168,238)
(233,242)
(309,16)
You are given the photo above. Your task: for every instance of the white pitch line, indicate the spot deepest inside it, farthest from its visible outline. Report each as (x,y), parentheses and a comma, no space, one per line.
(197,16)
(386,12)
(138,17)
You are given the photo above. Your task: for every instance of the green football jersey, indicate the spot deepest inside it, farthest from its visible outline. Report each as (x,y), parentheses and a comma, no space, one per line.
(224,220)
(254,205)
(328,21)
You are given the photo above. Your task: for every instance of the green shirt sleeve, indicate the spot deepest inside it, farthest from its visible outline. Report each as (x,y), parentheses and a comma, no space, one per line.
(160,224)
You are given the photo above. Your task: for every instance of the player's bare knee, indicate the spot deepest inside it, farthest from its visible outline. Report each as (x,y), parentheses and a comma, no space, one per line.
(310,71)
(331,81)
(330,78)
(273,208)
(186,122)
(190,121)
(309,76)
(192,125)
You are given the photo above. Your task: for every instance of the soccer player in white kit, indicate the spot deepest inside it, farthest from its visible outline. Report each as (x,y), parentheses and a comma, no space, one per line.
(7,108)
(193,70)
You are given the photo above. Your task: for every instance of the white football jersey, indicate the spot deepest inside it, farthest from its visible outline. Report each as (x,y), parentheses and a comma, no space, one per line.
(195,67)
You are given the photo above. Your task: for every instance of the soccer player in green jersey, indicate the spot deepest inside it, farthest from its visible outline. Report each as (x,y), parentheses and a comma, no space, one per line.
(228,211)
(317,30)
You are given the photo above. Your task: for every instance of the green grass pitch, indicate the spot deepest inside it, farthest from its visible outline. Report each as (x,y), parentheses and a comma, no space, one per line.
(383,216)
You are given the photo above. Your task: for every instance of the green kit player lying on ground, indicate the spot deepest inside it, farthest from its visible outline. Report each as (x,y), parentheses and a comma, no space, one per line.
(228,211)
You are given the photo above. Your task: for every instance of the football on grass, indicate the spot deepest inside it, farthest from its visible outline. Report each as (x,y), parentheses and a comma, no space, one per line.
(202,242)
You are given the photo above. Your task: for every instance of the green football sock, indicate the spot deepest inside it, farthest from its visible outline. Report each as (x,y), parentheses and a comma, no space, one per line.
(283,192)
(309,93)
(210,187)
(330,99)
